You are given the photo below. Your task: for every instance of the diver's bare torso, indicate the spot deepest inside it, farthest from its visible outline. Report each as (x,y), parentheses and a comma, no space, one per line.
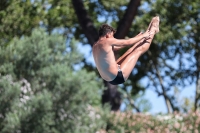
(105,60)
(103,52)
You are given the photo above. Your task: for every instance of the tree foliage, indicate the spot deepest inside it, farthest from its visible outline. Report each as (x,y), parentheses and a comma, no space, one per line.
(178,40)
(40,91)
(173,59)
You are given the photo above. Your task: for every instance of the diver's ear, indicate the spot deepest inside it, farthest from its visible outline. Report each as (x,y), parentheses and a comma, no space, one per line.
(107,35)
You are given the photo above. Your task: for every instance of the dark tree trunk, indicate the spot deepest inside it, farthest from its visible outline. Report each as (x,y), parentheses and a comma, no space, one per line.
(111,94)
(85,22)
(126,21)
(197,91)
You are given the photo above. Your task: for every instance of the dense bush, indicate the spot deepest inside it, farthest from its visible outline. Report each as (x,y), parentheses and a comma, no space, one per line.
(144,123)
(40,92)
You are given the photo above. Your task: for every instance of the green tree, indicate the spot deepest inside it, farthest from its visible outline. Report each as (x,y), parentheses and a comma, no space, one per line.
(41,92)
(177,41)
(18,18)
(173,59)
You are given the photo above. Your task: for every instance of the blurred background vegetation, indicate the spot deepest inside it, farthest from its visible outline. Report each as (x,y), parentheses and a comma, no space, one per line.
(42,91)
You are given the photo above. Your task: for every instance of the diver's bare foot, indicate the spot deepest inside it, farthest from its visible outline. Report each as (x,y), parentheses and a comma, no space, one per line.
(157,24)
(154,24)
